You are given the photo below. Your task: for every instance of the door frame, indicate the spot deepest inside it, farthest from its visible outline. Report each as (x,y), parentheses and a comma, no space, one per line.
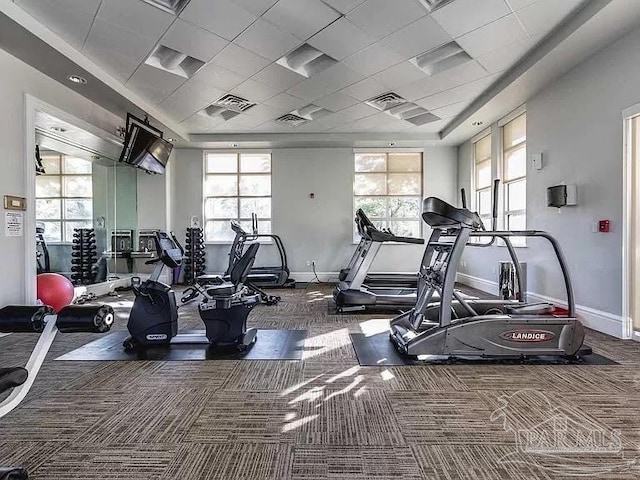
(630,193)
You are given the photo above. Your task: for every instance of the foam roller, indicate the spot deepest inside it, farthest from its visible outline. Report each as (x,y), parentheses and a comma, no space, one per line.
(85,318)
(23,318)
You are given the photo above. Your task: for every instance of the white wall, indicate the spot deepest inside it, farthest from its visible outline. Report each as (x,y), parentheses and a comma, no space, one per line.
(318,229)
(576,123)
(152,201)
(16,79)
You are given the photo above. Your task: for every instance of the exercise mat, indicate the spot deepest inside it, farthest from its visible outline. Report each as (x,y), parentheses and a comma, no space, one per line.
(270,345)
(377,350)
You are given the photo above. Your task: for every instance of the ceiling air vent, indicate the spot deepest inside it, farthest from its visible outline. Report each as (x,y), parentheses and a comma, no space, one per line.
(228,107)
(311,112)
(441,58)
(173,61)
(386,101)
(393,104)
(433,5)
(291,120)
(307,61)
(174,7)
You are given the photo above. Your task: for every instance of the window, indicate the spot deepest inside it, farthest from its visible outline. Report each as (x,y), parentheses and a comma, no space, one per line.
(235,186)
(64,197)
(388,188)
(514,175)
(482,179)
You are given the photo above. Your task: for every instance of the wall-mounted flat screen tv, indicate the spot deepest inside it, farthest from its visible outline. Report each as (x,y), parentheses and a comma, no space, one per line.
(144,147)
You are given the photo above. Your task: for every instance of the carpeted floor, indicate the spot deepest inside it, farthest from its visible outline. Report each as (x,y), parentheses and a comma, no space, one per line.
(324,417)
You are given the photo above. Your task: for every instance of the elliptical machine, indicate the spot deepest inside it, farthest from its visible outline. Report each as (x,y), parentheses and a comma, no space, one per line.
(153,320)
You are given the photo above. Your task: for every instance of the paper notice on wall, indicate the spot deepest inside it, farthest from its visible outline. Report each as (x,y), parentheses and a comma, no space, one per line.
(13,224)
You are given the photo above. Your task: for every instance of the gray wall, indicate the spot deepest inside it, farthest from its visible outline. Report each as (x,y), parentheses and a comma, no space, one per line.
(576,123)
(317,229)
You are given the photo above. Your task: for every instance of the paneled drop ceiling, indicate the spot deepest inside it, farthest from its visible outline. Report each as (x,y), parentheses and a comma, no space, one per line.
(318,60)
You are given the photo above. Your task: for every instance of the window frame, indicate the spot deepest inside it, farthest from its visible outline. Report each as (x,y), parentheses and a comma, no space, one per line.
(386,219)
(487,217)
(62,220)
(505,151)
(237,174)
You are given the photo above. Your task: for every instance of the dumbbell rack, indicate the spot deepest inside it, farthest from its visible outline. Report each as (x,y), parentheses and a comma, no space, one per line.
(195,255)
(83,256)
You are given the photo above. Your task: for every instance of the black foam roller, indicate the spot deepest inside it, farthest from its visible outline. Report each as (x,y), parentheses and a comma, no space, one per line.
(85,318)
(23,318)
(13,473)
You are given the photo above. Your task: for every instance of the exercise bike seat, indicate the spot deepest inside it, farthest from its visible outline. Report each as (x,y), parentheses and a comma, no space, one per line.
(540,308)
(223,289)
(12,377)
(205,280)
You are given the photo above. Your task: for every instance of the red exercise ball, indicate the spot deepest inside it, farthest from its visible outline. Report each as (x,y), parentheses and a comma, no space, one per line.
(55,290)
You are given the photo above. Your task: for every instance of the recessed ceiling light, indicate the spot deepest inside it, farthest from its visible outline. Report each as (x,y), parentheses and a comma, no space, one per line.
(58,129)
(234,145)
(391,144)
(307,61)
(477,124)
(170,139)
(77,79)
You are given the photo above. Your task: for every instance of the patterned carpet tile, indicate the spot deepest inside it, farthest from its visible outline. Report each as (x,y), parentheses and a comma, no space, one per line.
(29,455)
(151,415)
(244,417)
(353,415)
(440,418)
(107,462)
(313,462)
(232,461)
(263,375)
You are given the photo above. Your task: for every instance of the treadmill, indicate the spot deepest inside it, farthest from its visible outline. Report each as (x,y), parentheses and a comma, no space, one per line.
(352,294)
(400,280)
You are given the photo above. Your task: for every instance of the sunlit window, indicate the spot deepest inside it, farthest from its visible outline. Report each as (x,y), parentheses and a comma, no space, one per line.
(236,185)
(64,196)
(482,172)
(514,175)
(388,188)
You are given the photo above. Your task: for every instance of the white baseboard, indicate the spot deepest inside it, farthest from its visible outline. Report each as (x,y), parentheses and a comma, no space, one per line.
(598,320)
(635,336)
(306,277)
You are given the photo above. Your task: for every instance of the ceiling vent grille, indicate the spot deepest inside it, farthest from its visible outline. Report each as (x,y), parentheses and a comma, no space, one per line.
(228,107)
(441,58)
(433,5)
(173,7)
(393,104)
(386,101)
(311,112)
(173,61)
(307,61)
(291,120)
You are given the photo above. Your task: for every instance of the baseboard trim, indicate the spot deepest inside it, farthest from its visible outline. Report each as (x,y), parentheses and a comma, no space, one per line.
(306,277)
(598,320)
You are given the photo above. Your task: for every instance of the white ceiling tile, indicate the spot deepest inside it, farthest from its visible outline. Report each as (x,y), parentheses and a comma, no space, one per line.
(336,101)
(400,75)
(328,81)
(465,73)
(153,83)
(379,18)
(463,16)
(71,19)
(417,37)
(138,17)
(278,77)
(461,93)
(219,77)
(373,59)
(492,36)
(267,40)
(262,113)
(257,7)
(518,4)
(221,17)
(341,39)
(503,58)
(199,123)
(286,102)
(240,60)
(450,111)
(543,16)
(254,91)
(194,41)
(371,121)
(302,18)
(357,111)
(365,89)
(395,126)
(344,6)
(191,97)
